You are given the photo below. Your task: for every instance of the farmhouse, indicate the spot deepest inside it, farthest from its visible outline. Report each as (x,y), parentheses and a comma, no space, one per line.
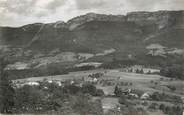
(145,96)
(140,69)
(32,83)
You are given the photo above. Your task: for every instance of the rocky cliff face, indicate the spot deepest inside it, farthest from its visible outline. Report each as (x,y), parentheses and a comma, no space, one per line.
(162,19)
(73,23)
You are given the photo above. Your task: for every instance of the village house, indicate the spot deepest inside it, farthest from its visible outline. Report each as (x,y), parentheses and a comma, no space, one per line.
(145,96)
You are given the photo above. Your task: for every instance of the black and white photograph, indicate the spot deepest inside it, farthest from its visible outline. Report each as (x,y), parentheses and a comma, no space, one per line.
(92,57)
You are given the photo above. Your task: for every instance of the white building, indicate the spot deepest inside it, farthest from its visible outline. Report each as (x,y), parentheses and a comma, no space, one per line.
(32,83)
(145,96)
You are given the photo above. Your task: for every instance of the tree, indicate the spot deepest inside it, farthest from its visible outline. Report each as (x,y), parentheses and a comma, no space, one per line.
(137,71)
(162,107)
(156,96)
(117,91)
(167,109)
(30,99)
(89,88)
(6,89)
(174,71)
(141,71)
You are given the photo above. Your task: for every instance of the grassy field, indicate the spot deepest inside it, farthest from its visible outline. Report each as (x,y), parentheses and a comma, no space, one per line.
(144,82)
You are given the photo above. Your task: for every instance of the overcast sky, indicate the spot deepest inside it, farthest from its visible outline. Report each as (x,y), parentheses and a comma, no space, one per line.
(21,12)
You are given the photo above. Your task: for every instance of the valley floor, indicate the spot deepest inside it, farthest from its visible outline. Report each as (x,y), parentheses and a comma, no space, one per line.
(145,83)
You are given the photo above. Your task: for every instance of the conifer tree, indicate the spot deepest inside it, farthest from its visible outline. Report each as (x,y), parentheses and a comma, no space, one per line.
(6,89)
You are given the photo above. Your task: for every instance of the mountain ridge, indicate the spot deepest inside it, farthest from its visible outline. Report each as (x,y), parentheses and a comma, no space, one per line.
(94,33)
(96,15)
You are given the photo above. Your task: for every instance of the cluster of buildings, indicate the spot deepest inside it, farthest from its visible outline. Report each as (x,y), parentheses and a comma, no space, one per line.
(19,84)
(91,78)
(140,69)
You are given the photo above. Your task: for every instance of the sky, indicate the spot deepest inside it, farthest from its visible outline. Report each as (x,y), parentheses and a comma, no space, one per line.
(20,12)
